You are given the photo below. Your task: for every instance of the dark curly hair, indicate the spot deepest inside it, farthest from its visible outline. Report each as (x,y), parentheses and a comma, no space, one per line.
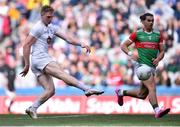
(143,17)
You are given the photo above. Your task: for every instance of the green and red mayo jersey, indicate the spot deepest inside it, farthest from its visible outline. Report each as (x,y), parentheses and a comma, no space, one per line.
(147,45)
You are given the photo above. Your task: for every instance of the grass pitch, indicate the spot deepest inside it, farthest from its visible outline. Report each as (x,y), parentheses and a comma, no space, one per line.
(89,120)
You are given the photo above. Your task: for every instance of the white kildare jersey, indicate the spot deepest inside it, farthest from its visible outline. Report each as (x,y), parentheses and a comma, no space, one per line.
(44,35)
(39,54)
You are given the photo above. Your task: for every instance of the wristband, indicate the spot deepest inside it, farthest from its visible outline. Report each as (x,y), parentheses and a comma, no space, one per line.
(130,53)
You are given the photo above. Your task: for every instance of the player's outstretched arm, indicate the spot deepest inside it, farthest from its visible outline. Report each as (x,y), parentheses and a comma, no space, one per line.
(73,40)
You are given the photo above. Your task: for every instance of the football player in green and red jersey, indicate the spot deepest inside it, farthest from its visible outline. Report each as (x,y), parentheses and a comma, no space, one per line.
(150,50)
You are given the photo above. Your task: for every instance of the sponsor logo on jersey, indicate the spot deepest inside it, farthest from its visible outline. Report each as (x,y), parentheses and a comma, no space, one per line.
(150,45)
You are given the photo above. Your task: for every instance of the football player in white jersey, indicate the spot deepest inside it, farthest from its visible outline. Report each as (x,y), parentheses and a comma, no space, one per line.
(42,64)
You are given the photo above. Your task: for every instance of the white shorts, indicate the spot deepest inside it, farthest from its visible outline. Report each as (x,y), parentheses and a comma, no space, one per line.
(39,62)
(153,69)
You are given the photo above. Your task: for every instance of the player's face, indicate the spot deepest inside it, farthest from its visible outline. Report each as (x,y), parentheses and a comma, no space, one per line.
(148,22)
(47,17)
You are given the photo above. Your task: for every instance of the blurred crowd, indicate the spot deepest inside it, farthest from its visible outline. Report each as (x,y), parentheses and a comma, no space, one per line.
(104,25)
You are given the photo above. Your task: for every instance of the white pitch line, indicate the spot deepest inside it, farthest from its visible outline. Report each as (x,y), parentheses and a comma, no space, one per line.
(49,117)
(61,116)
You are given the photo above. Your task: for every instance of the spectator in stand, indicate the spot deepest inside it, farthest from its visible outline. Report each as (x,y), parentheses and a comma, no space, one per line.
(114,76)
(177,80)
(128,76)
(174,62)
(162,77)
(97,77)
(8,70)
(74,72)
(177,19)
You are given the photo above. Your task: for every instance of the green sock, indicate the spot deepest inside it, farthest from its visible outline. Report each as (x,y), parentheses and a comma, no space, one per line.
(124,92)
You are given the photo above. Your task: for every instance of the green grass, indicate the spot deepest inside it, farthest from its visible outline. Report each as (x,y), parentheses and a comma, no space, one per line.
(89,120)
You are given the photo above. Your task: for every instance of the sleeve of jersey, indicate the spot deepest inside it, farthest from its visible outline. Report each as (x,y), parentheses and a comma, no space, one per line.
(132,37)
(35,32)
(55,28)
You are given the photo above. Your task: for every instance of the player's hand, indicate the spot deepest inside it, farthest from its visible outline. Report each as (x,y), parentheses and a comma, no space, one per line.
(25,70)
(134,55)
(155,61)
(88,49)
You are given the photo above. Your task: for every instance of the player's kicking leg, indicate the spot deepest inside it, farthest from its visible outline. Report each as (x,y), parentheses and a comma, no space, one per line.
(55,70)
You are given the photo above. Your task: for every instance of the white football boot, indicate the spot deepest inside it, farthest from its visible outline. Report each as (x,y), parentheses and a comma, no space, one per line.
(32,113)
(90,92)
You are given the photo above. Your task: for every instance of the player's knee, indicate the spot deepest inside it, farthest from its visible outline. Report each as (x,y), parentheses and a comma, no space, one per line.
(51,92)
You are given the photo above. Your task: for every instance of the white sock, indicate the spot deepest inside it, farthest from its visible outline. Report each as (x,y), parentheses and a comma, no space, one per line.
(157,109)
(120,93)
(36,105)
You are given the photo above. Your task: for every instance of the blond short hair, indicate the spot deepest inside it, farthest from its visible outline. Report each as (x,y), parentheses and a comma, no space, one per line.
(45,9)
